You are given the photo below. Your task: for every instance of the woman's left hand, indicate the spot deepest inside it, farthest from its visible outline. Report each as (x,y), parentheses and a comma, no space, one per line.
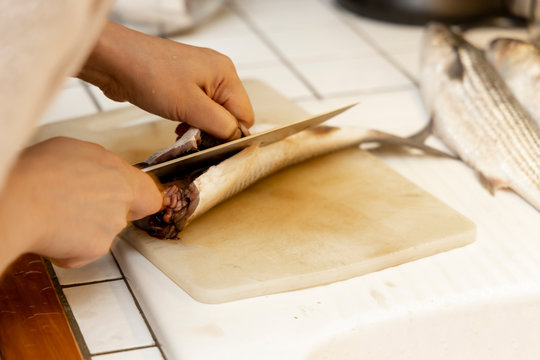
(176,81)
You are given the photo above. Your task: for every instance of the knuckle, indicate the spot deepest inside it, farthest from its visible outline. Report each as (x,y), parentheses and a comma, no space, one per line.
(113,161)
(222,59)
(249,120)
(114,91)
(232,132)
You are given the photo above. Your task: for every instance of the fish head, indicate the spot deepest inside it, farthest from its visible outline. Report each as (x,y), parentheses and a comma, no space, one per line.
(440,49)
(440,59)
(506,54)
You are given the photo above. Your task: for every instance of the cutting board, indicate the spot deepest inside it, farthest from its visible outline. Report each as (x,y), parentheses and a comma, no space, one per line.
(328,219)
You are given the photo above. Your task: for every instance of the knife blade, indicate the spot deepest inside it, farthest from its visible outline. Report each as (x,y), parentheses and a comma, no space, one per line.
(185,164)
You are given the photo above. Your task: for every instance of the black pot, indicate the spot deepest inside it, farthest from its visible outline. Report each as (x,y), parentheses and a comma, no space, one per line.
(422,11)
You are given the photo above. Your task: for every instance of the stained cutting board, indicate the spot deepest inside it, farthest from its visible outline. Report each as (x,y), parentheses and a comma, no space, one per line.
(328,219)
(325,220)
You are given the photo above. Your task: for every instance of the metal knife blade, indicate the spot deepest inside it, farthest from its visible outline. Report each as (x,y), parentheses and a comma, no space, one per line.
(188,163)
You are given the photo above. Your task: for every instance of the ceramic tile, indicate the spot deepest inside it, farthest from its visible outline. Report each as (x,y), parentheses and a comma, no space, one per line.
(331,40)
(387,36)
(243,49)
(104,102)
(225,23)
(398,112)
(108,317)
(229,34)
(270,16)
(102,269)
(353,75)
(316,106)
(409,63)
(70,102)
(142,354)
(71,82)
(279,77)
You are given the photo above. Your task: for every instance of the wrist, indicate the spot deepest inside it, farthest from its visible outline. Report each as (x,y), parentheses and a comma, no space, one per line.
(20,230)
(109,61)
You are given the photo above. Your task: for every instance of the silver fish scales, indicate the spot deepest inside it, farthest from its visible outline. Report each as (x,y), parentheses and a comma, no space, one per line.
(477,116)
(518,63)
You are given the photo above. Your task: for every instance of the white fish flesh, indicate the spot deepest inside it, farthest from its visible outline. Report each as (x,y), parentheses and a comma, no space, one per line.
(477,116)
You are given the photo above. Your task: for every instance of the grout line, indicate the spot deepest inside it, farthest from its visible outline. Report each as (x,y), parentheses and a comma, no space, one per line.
(346,17)
(91,282)
(371,91)
(75,329)
(92,96)
(154,338)
(301,98)
(352,93)
(125,350)
(262,36)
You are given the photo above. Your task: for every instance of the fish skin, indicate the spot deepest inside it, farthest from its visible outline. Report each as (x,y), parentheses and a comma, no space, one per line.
(193,195)
(186,143)
(477,116)
(229,177)
(518,63)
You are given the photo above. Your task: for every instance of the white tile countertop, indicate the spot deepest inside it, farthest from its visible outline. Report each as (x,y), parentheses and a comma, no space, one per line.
(481,301)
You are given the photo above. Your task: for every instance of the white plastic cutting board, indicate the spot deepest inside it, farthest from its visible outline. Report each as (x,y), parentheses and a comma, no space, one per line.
(328,219)
(325,220)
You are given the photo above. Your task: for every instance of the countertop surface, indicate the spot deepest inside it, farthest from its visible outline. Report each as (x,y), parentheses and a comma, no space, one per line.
(479,301)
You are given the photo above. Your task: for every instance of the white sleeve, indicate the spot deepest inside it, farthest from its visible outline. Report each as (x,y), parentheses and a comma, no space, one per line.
(41,43)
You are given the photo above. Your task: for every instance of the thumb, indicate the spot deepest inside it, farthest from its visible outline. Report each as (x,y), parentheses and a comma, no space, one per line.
(206,114)
(147,197)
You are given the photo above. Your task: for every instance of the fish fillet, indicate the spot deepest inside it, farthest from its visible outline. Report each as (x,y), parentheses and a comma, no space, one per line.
(188,198)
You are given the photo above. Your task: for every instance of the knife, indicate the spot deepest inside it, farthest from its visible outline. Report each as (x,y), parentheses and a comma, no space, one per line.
(188,163)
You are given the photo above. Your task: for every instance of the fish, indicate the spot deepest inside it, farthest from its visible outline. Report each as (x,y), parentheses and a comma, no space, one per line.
(189,140)
(192,195)
(518,63)
(477,116)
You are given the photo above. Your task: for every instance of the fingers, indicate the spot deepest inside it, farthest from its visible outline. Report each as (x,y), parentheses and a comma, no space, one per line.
(147,197)
(238,104)
(206,114)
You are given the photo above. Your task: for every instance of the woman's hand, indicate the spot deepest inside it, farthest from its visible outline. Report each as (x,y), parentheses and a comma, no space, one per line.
(176,81)
(67,199)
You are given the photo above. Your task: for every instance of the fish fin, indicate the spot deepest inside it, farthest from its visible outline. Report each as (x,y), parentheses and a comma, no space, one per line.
(486,183)
(424,133)
(381,137)
(455,69)
(491,184)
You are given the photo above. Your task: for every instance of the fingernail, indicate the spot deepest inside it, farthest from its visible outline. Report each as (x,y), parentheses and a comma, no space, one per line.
(237,135)
(243,129)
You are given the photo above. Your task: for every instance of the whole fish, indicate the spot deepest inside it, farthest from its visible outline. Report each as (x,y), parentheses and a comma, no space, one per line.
(191,196)
(518,63)
(477,116)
